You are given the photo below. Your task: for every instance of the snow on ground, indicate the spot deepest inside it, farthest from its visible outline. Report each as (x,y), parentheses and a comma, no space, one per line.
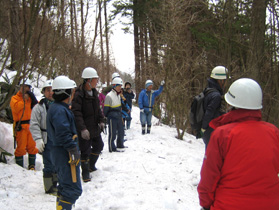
(157,171)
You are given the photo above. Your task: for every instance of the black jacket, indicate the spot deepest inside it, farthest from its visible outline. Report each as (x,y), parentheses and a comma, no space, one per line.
(212,103)
(129,97)
(87,111)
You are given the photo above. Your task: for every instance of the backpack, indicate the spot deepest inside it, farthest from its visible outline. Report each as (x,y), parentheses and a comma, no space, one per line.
(197,110)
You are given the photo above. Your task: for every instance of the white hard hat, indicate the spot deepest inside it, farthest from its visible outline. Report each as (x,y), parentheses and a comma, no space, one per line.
(117,81)
(219,72)
(26,82)
(148,83)
(47,83)
(114,75)
(63,82)
(89,73)
(245,93)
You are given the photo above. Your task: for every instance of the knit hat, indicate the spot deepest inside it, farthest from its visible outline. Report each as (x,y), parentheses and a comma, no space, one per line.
(148,83)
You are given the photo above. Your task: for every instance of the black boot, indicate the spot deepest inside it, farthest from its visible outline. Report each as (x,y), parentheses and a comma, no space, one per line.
(93,159)
(19,160)
(32,160)
(63,204)
(85,170)
(143,129)
(148,129)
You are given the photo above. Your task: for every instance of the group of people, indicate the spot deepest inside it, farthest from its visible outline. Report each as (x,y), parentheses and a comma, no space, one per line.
(241,163)
(65,127)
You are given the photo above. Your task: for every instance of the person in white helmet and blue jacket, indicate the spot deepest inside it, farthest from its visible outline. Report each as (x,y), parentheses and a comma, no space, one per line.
(61,129)
(146,101)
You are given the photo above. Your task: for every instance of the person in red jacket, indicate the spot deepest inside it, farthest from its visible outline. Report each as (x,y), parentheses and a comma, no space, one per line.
(241,164)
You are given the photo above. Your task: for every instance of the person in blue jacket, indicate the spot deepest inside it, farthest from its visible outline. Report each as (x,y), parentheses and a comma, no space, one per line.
(213,100)
(146,101)
(65,152)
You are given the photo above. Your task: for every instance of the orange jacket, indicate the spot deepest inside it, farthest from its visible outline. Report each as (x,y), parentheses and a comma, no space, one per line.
(17,106)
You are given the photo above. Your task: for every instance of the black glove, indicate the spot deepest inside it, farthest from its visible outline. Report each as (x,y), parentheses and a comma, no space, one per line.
(74,154)
(203,208)
(33,99)
(102,126)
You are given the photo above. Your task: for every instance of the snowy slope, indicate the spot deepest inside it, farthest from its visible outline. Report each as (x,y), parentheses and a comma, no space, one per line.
(156,171)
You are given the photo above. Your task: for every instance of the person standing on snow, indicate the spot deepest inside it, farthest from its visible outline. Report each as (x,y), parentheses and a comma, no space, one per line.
(89,120)
(43,143)
(129,95)
(21,106)
(213,100)
(112,111)
(107,89)
(241,165)
(61,129)
(146,101)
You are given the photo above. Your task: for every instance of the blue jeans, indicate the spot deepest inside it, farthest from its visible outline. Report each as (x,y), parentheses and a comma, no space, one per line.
(128,121)
(145,118)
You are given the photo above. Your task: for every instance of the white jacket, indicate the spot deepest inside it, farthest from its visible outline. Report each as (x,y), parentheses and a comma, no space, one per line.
(38,122)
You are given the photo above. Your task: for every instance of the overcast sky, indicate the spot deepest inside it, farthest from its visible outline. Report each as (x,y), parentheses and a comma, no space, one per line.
(122,45)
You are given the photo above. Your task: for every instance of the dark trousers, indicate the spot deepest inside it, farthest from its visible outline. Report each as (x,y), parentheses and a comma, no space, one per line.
(94,145)
(206,136)
(115,127)
(67,189)
(47,159)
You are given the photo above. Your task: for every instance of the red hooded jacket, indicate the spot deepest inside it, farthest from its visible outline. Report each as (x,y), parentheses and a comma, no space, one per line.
(241,166)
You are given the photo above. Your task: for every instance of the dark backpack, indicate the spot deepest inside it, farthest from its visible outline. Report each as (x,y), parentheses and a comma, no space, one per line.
(197,110)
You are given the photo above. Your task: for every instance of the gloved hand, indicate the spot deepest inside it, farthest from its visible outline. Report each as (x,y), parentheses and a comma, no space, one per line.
(85,134)
(162,82)
(202,132)
(142,110)
(102,126)
(205,208)
(74,154)
(40,145)
(33,99)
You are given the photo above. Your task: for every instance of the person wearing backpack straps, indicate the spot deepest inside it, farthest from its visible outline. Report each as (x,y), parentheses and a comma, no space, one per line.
(213,100)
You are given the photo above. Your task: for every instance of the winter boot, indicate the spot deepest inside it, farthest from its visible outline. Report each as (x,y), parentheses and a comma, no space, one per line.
(32,160)
(143,129)
(49,184)
(63,205)
(19,160)
(93,159)
(148,129)
(85,170)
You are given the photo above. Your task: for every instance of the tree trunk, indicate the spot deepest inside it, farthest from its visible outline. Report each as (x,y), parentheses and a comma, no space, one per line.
(256,49)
